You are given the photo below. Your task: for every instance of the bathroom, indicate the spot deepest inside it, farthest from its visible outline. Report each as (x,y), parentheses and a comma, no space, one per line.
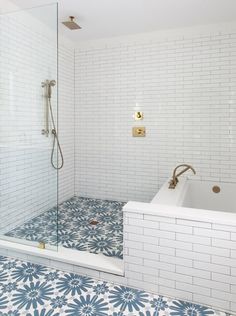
(117,157)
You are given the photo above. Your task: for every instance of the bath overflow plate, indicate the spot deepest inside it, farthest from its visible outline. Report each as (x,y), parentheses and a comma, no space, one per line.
(216,189)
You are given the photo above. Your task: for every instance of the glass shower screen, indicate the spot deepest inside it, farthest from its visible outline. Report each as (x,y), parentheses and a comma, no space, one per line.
(28,182)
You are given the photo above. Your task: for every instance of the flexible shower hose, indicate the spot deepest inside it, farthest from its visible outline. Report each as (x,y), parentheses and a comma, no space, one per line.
(55,139)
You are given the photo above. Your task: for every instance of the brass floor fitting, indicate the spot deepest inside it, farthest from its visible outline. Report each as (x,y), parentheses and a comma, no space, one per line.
(41,245)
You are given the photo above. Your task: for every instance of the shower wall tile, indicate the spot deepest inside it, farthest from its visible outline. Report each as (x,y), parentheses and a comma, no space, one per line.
(66,121)
(28,184)
(185,85)
(28,56)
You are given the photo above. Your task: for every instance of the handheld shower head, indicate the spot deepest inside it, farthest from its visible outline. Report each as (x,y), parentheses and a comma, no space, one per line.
(48,84)
(51,84)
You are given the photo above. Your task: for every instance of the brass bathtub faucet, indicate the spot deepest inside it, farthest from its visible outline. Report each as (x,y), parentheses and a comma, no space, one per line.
(174,180)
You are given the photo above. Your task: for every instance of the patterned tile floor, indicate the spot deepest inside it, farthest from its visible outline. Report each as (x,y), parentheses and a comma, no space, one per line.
(74,228)
(34,290)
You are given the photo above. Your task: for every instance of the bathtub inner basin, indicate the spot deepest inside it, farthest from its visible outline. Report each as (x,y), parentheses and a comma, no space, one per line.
(217,196)
(207,195)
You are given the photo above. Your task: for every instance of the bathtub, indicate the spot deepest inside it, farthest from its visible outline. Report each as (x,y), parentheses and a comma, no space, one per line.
(196,194)
(183,243)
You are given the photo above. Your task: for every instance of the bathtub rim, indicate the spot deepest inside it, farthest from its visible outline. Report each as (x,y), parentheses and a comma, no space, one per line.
(180,212)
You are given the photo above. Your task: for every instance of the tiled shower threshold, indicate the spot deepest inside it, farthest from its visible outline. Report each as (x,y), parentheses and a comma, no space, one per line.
(79,258)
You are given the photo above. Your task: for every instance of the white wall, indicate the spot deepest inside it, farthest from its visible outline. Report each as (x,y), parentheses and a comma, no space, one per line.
(184,82)
(7,6)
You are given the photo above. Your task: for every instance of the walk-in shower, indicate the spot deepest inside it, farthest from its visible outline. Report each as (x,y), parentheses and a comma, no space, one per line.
(28,183)
(31,156)
(47,85)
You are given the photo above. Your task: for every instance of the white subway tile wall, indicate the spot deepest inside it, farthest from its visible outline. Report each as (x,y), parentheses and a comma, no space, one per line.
(188,269)
(185,86)
(66,121)
(29,56)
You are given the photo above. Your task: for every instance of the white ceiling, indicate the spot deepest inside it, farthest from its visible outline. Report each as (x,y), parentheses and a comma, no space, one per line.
(108,18)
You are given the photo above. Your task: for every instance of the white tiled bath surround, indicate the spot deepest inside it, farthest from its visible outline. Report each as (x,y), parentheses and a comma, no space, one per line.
(185,83)
(197,243)
(188,259)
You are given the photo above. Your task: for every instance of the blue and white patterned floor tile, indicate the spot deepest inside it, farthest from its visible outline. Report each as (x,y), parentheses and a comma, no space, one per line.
(74,229)
(34,290)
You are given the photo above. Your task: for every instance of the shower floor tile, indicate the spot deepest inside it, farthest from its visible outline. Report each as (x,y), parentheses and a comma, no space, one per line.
(82,224)
(35,290)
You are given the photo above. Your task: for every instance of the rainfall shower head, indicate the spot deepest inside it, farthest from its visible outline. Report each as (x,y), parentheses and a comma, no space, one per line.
(71,24)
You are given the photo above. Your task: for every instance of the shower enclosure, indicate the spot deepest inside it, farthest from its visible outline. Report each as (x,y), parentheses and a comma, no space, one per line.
(28,182)
(31,156)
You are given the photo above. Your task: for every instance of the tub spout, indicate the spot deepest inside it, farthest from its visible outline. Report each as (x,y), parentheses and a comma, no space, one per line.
(175,180)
